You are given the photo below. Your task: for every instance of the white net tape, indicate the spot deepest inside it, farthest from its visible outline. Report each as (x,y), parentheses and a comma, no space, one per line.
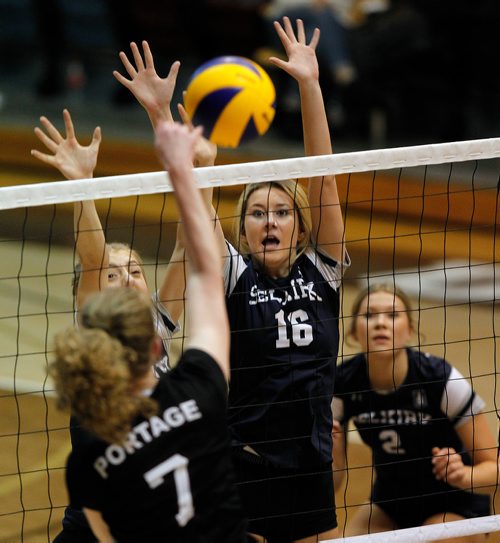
(250,172)
(433,532)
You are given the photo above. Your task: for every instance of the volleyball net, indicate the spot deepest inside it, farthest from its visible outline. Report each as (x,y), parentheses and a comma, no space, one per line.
(424,218)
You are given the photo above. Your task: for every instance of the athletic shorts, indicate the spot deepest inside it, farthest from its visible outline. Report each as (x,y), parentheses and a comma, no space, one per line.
(410,512)
(284,504)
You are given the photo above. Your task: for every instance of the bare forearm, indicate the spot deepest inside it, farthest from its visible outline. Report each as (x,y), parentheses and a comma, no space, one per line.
(482,478)
(89,236)
(314,120)
(200,248)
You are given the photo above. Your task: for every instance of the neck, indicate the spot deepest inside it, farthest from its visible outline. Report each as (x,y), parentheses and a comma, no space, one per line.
(387,371)
(275,272)
(145,383)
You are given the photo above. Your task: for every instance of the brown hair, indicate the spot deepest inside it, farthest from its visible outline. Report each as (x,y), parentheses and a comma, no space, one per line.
(112,247)
(294,189)
(97,366)
(380,287)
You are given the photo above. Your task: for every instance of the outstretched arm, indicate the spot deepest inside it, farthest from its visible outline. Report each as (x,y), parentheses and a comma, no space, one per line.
(302,65)
(155,96)
(205,154)
(207,319)
(172,289)
(76,161)
(484,474)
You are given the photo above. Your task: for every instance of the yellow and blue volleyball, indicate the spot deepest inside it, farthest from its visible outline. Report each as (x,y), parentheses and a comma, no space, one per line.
(233,98)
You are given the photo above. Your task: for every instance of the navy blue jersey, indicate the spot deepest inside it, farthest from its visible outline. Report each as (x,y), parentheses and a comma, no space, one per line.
(165,328)
(284,343)
(172,478)
(403,426)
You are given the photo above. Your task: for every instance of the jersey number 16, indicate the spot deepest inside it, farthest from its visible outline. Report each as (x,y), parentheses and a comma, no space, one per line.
(302,333)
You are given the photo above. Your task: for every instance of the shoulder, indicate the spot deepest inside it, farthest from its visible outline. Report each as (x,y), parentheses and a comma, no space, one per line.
(81,479)
(327,267)
(349,373)
(457,400)
(428,366)
(233,267)
(197,370)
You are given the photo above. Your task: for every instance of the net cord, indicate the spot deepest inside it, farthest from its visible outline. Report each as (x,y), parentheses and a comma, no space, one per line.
(59,192)
(432,532)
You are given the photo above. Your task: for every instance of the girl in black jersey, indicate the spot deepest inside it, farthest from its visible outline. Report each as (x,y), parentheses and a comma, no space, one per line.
(158,465)
(102,265)
(434,456)
(282,276)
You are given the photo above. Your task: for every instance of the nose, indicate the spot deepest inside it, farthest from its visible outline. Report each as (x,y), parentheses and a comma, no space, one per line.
(271,219)
(380,319)
(128,280)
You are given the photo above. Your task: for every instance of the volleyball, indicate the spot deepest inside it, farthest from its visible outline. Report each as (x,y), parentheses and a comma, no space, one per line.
(233,98)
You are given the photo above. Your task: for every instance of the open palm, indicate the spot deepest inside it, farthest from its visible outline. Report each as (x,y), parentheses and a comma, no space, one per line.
(73,160)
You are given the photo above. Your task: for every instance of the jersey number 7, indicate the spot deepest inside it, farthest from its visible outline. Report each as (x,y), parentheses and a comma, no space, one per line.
(177,464)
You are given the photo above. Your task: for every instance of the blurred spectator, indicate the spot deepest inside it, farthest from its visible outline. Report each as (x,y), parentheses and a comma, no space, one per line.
(50,35)
(389,43)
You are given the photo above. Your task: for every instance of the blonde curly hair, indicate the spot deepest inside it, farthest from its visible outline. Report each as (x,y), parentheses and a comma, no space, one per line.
(97,366)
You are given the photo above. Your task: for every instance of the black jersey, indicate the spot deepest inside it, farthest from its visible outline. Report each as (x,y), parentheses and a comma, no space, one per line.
(171,479)
(284,343)
(403,426)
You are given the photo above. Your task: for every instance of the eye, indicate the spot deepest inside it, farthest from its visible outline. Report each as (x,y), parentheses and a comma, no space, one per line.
(136,273)
(112,276)
(282,212)
(257,213)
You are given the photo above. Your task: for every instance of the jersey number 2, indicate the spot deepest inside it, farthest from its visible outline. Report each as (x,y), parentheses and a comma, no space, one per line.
(302,333)
(179,465)
(391,442)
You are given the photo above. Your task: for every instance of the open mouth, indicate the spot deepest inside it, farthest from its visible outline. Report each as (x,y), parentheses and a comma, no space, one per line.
(270,242)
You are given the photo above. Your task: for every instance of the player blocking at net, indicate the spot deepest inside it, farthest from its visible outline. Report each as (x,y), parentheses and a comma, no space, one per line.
(104,265)
(434,455)
(158,464)
(282,275)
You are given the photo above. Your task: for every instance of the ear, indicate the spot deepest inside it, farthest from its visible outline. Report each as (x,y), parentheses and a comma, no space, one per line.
(301,236)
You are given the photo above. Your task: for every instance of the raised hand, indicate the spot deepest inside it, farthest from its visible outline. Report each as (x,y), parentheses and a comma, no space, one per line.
(151,91)
(73,160)
(205,151)
(175,145)
(302,63)
(449,467)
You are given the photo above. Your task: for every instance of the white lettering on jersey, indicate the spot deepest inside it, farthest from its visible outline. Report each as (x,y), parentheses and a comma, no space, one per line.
(145,432)
(392,416)
(300,290)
